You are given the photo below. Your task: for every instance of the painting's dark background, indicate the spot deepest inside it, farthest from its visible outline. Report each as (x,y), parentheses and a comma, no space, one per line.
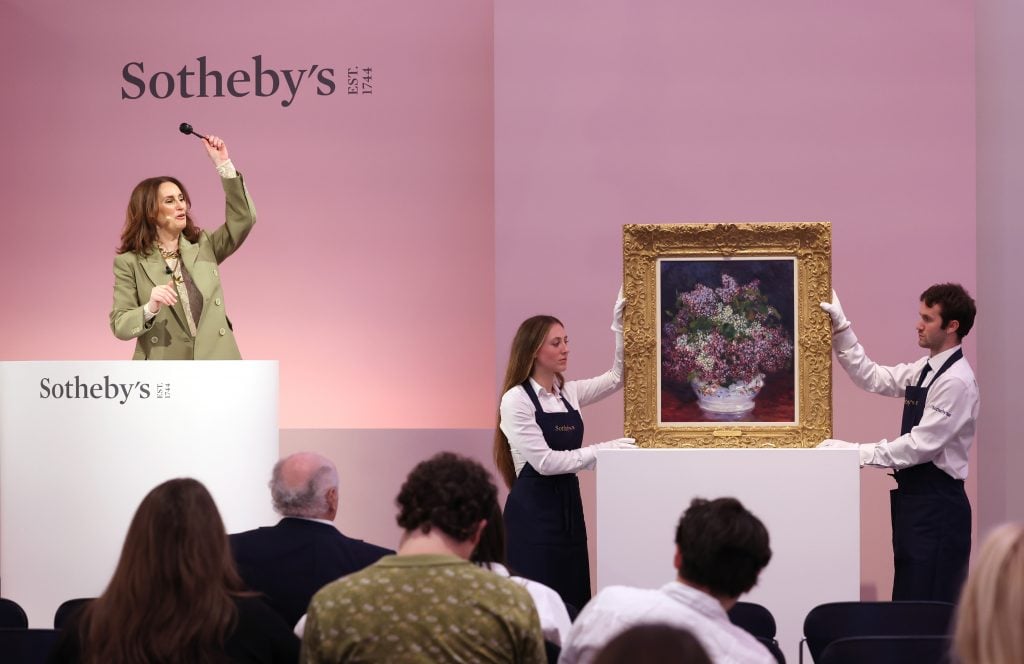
(776,401)
(776,275)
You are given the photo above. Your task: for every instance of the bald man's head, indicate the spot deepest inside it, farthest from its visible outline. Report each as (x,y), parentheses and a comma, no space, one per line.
(306,485)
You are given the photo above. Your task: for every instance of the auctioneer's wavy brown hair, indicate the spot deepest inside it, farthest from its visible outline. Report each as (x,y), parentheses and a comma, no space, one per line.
(139,232)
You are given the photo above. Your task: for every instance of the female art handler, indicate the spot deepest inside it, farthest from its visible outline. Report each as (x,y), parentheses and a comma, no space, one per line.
(538,448)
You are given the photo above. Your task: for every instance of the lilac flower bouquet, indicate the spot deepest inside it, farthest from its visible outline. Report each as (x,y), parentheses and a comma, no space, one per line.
(722,337)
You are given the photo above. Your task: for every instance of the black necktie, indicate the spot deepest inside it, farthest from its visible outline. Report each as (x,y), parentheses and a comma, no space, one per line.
(924,372)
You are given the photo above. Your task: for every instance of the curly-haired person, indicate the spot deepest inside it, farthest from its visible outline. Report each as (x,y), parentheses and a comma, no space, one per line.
(428,603)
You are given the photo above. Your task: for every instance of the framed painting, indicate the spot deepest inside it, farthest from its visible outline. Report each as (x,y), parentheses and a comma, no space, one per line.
(725,343)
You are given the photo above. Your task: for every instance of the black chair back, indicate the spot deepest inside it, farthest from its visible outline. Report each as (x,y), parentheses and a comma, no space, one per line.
(551,651)
(68,609)
(754,618)
(27,646)
(773,647)
(888,650)
(759,622)
(12,616)
(829,622)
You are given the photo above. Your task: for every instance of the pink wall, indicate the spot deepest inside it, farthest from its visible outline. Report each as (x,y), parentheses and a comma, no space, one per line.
(373,463)
(369,275)
(623,112)
(1000,143)
(403,235)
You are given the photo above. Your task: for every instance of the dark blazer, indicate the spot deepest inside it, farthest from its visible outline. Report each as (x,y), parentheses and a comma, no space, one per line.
(289,562)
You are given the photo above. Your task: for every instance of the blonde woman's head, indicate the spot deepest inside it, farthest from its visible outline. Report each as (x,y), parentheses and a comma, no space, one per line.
(991,611)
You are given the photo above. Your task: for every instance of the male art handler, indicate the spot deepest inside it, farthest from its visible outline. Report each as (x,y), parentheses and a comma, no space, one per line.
(931,517)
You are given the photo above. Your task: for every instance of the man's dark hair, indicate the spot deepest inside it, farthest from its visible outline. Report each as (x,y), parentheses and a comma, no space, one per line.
(723,546)
(449,492)
(954,304)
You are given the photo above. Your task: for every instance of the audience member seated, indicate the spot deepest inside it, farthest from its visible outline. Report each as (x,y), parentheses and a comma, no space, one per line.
(428,603)
(175,595)
(720,550)
(653,644)
(304,551)
(991,610)
(490,554)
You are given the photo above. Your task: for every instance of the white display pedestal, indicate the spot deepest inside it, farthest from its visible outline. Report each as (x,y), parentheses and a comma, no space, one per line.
(78,453)
(808,499)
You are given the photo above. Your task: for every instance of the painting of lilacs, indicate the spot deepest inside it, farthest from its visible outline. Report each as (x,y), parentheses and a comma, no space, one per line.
(727,340)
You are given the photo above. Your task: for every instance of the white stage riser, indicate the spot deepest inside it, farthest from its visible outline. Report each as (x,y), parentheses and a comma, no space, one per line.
(808,499)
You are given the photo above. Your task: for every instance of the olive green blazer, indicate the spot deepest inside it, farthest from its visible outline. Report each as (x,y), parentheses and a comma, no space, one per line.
(166,336)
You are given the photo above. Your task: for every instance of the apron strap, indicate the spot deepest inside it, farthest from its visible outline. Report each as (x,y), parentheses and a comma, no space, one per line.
(526,385)
(950,361)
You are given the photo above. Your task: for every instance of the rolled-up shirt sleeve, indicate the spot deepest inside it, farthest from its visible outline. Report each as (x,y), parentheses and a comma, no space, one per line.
(519,424)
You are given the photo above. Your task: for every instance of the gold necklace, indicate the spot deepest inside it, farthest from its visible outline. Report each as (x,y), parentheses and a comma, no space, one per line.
(168,255)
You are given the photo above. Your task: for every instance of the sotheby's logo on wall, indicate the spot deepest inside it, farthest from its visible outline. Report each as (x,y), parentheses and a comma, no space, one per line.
(201,79)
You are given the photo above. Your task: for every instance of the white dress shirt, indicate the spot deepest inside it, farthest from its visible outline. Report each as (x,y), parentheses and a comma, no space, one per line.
(617,608)
(554,618)
(946,430)
(519,423)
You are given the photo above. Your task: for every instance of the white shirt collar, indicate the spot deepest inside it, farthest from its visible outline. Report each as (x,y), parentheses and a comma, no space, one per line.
(936,361)
(697,599)
(540,389)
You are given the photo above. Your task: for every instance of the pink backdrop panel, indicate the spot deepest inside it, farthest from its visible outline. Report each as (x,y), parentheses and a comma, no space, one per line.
(620,112)
(1000,109)
(370,272)
(404,234)
(372,465)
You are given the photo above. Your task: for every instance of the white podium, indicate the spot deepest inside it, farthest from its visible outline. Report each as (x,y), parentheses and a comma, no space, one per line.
(808,499)
(81,443)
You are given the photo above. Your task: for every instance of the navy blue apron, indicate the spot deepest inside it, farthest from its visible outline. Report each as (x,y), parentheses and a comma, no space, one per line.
(931,518)
(547,537)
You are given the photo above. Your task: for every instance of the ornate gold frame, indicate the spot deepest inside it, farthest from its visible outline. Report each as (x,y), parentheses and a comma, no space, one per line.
(810,245)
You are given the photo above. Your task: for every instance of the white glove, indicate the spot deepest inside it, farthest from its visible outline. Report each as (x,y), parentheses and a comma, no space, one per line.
(620,304)
(617,444)
(835,311)
(867,451)
(833,444)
